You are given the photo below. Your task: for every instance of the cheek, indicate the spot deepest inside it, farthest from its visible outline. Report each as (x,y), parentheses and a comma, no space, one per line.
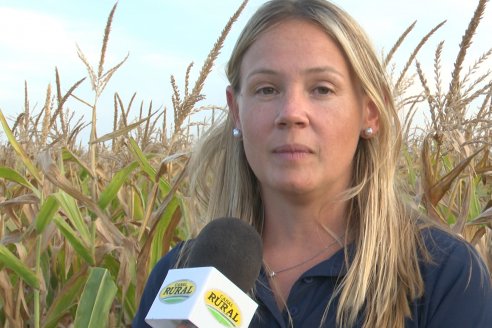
(254,138)
(255,141)
(254,119)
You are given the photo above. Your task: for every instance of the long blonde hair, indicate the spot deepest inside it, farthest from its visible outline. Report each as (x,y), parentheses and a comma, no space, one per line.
(383,273)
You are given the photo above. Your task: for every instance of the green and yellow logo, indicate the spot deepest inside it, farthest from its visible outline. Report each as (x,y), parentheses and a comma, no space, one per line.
(177,291)
(223,308)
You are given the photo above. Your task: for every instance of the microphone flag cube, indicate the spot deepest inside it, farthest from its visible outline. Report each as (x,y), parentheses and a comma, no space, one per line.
(202,296)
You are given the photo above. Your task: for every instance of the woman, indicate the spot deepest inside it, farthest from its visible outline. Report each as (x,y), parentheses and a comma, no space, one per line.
(307,155)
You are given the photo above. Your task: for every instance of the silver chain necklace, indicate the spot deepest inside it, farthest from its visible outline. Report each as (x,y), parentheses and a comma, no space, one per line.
(273,274)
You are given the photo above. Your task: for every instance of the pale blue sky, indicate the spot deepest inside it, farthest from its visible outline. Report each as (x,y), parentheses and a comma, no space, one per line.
(163,37)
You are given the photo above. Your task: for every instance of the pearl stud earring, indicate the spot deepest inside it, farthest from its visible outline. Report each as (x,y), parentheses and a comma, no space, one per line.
(368,132)
(236,133)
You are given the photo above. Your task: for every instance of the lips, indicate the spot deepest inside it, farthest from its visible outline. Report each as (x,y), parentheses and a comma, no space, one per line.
(293,150)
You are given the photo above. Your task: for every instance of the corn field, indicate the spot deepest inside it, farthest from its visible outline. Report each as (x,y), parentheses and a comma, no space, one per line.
(81,227)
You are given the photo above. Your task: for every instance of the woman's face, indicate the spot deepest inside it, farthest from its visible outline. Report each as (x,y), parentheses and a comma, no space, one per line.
(300,111)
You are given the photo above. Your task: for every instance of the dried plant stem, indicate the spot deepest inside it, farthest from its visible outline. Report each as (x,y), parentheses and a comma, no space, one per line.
(414,53)
(27,113)
(398,43)
(483,109)
(37,312)
(99,82)
(115,121)
(47,116)
(93,148)
(428,95)
(61,102)
(437,76)
(183,111)
(464,45)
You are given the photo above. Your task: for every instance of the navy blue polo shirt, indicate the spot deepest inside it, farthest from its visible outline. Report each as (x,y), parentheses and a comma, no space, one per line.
(458,290)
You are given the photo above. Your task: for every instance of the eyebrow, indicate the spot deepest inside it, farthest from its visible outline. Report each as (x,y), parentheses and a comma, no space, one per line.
(314,70)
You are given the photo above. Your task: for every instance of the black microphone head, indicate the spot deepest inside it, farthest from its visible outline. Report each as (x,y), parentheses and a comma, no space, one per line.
(231,246)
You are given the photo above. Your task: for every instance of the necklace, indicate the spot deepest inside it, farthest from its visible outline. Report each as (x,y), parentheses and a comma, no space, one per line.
(273,274)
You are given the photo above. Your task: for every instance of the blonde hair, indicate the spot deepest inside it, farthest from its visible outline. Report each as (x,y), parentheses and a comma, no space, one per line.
(383,273)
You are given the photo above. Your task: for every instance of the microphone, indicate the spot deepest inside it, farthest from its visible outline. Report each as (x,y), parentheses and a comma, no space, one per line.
(223,264)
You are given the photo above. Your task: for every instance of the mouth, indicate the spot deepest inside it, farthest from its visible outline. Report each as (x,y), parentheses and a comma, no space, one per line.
(292,151)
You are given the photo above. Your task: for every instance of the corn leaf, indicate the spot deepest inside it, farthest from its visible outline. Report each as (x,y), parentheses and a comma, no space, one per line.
(428,175)
(74,240)
(438,190)
(122,131)
(484,218)
(95,302)
(8,259)
(48,209)
(12,175)
(68,155)
(146,167)
(109,193)
(138,206)
(159,229)
(65,300)
(475,206)
(19,150)
(72,211)
(141,159)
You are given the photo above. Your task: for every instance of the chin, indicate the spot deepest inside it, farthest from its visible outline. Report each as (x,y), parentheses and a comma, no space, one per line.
(295,188)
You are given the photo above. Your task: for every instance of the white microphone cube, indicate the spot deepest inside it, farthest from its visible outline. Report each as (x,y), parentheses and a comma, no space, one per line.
(202,296)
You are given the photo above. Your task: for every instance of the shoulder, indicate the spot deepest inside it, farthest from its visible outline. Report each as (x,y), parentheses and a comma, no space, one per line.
(457,283)
(450,256)
(154,282)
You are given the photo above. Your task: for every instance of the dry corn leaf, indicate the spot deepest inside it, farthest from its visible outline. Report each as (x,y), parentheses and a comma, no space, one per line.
(428,176)
(465,205)
(438,190)
(21,200)
(53,174)
(477,236)
(484,218)
(6,294)
(122,131)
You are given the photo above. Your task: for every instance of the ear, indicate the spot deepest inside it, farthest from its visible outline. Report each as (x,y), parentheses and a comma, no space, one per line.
(233,107)
(370,117)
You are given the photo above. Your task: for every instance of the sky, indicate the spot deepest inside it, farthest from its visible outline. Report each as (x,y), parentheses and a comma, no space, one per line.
(162,37)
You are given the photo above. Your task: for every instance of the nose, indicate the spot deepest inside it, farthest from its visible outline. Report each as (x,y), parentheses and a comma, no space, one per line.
(292,111)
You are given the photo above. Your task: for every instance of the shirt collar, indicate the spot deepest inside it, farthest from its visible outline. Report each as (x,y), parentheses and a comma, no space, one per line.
(333,267)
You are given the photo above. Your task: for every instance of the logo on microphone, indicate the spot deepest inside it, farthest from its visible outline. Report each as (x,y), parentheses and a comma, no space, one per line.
(223,308)
(177,291)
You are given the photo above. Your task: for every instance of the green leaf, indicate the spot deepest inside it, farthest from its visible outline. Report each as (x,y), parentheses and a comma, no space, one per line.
(67,155)
(19,150)
(72,211)
(73,239)
(138,205)
(12,175)
(141,159)
(157,242)
(65,300)
(48,209)
(146,167)
(95,302)
(475,206)
(12,262)
(109,193)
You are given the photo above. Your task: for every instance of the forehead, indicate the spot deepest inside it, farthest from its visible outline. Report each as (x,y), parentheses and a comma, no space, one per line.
(296,43)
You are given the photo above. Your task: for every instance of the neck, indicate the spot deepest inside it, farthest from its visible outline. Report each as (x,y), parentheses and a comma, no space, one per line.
(303,224)
(296,238)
